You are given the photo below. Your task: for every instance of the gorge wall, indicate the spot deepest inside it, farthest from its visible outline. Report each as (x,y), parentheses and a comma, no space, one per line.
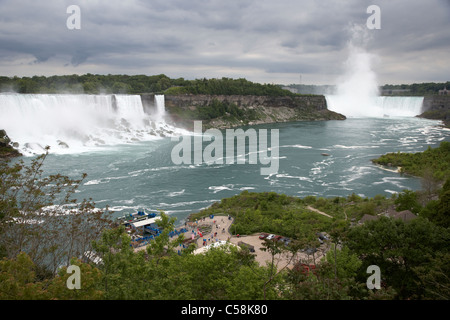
(184,109)
(435,103)
(437,107)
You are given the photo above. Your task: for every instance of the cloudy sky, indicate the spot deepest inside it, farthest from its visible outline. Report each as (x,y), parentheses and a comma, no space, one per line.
(283,41)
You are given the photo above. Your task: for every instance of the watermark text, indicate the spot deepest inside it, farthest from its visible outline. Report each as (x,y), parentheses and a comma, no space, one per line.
(192,152)
(374,281)
(73,22)
(374,20)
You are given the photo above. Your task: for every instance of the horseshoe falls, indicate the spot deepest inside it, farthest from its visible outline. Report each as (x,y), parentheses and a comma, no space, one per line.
(355,106)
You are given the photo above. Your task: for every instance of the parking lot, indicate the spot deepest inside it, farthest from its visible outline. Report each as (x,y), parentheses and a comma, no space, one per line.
(281,260)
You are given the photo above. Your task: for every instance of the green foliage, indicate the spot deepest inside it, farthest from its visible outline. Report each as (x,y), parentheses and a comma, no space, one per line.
(18,279)
(95,83)
(443,114)
(419,89)
(161,83)
(269,212)
(347,263)
(435,277)
(227,86)
(89,289)
(407,200)
(436,159)
(216,109)
(398,248)
(39,215)
(438,211)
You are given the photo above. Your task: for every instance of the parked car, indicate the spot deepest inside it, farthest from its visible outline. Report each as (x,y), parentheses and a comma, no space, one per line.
(322,236)
(246,245)
(277,238)
(270,237)
(310,250)
(263,235)
(286,241)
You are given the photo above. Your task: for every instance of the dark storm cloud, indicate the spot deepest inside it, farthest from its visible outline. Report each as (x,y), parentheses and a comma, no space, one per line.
(261,40)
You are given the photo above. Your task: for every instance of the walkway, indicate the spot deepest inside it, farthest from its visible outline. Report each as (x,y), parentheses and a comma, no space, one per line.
(319,212)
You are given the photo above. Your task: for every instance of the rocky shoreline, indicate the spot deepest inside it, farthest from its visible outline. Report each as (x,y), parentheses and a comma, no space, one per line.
(6,148)
(437,107)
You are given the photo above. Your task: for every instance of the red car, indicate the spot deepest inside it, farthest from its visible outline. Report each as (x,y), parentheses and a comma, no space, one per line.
(277,238)
(263,236)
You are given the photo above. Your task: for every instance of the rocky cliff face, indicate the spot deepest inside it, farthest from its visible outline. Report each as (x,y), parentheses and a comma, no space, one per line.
(436,103)
(438,108)
(6,149)
(185,109)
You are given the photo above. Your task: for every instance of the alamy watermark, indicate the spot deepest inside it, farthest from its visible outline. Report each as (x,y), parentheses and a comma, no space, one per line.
(374,281)
(74,281)
(73,22)
(374,20)
(186,152)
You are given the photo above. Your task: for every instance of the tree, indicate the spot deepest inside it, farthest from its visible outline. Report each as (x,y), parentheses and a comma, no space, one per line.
(40,217)
(121,268)
(346,262)
(435,277)
(398,248)
(430,184)
(91,87)
(438,211)
(18,279)
(90,288)
(120,87)
(163,245)
(277,248)
(407,200)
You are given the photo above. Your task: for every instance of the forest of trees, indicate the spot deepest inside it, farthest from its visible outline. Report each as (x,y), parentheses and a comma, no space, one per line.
(417,89)
(125,84)
(435,161)
(135,84)
(89,84)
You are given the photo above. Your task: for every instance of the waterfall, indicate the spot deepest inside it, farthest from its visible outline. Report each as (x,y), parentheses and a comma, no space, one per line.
(357,93)
(160,108)
(72,123)
(375,106)
(400,106)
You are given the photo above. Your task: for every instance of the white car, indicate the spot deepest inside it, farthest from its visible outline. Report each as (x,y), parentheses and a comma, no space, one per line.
(270,237)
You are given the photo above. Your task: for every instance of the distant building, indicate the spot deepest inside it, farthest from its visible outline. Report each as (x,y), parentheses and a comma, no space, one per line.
(443,92)
(367,217)
(404,215)
(293,90)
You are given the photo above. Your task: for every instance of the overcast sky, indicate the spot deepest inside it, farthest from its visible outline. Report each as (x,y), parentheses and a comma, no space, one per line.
(282,41)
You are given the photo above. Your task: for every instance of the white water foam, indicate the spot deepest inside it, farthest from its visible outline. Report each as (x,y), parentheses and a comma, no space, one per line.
(77,123)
